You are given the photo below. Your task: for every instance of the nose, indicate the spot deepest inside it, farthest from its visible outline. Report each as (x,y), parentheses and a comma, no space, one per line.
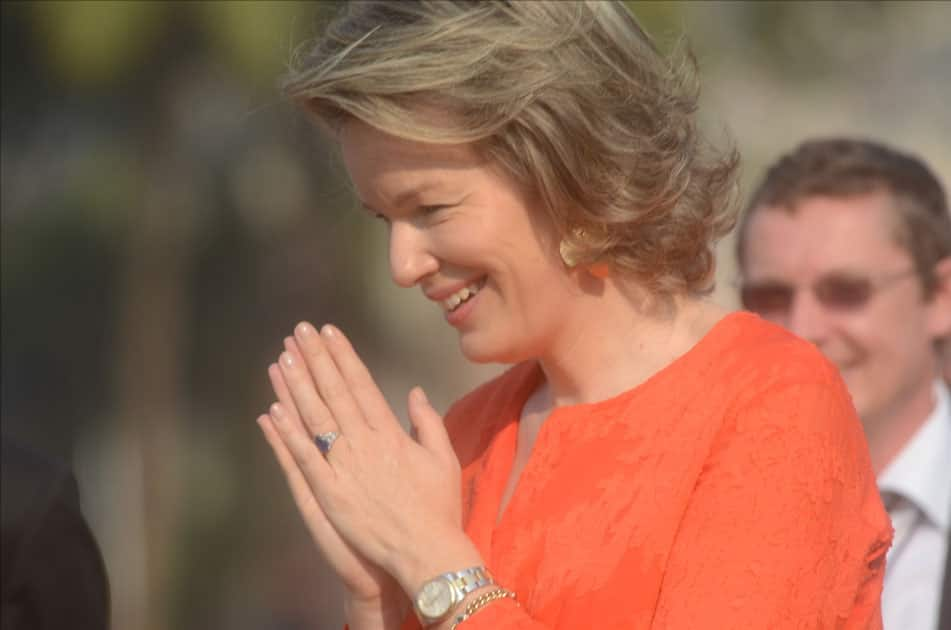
(410,258)
(807,318)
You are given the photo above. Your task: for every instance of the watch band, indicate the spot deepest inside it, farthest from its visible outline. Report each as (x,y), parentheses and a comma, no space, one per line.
(470,579)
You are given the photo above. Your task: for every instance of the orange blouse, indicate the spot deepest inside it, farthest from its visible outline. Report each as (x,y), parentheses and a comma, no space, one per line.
(731,490)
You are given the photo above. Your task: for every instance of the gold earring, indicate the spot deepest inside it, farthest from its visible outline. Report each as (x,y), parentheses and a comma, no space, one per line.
(569,253)
(569,256)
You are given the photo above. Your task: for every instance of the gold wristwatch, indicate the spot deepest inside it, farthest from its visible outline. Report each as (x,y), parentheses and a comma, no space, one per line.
(438,597)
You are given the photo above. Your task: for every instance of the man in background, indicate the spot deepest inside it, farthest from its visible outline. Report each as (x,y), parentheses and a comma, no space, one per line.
(847,243)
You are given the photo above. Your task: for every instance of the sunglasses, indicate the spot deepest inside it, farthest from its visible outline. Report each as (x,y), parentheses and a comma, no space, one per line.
(838,292)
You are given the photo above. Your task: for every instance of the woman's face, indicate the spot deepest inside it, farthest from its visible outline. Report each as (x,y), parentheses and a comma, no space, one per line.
(472,240)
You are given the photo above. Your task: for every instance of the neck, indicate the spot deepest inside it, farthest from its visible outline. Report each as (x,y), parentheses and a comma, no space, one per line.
(613,343)
(890,430)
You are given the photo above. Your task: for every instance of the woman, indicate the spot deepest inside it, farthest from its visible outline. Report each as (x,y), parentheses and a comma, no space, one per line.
(650,461)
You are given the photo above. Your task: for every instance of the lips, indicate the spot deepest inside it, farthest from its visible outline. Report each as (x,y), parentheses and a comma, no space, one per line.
(459,297)
(452,299)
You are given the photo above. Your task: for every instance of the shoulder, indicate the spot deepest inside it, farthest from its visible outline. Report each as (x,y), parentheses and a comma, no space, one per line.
(757,358)
(785,396)
(750,337)
(792,425)
(792,419)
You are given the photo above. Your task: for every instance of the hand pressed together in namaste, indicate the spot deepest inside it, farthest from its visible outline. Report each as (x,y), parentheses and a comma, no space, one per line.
(378,491)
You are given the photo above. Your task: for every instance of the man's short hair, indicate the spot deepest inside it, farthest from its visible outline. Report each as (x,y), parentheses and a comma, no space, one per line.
(844,167)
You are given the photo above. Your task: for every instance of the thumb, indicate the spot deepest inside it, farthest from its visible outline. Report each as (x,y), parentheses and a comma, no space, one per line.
(428,425)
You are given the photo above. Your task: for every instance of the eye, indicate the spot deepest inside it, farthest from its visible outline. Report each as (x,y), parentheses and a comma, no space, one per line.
(766,298)
(434,208)
(844,293)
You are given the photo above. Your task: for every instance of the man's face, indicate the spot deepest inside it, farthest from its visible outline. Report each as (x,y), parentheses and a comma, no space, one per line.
(829,253)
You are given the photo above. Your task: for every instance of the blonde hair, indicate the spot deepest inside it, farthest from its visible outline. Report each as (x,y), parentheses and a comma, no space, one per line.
(572,99)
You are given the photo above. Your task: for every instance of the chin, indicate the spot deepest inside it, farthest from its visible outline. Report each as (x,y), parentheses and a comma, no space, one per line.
(478,354)
(483,350)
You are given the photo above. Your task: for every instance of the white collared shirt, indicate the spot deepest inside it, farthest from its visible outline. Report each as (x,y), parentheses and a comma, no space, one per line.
(916,488)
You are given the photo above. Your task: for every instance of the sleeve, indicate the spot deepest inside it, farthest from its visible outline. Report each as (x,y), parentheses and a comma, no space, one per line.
(64,584)
(785,528)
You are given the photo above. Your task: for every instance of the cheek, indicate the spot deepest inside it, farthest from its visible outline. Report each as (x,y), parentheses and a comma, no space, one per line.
(859,330)
(546,313)
(890,336)
(855,345)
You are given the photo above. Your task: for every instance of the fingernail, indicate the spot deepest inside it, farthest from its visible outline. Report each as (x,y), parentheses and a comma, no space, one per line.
(420,395)
(328,330)
(304,329)
(287,360)
(277,411)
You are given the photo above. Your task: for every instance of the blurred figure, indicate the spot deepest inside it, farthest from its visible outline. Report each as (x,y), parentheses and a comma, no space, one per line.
(848,244)
(53,573)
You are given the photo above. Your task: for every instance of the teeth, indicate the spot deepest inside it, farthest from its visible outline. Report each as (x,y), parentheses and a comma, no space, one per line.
(460,296)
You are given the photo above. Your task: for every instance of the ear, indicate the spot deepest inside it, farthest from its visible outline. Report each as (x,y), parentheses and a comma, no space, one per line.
(939,304)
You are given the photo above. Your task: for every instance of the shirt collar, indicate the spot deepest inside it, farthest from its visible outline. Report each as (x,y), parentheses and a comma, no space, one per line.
(921,473)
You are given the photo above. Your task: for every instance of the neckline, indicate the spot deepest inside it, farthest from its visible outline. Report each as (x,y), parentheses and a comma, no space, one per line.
(721,333)
(707,344)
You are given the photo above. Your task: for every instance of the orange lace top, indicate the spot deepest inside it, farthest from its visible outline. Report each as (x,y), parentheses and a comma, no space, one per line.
(731,490)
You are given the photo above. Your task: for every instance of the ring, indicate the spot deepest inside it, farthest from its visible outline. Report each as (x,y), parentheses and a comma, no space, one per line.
(325,441)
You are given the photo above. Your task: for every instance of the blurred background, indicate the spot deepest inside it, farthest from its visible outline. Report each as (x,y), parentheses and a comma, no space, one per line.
(167,218)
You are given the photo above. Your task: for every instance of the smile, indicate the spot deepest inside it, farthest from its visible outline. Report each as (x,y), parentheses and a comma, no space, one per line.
(462,295)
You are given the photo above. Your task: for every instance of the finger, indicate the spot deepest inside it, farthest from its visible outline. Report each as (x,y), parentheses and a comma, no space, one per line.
(303,391)
(314,467)
(363,388)
(332,388)
(313,514)
(300,489)
(340,554)
(430,429)
(279,385)
(283,393)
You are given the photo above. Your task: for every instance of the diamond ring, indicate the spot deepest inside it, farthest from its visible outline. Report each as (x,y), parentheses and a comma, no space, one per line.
(325,441)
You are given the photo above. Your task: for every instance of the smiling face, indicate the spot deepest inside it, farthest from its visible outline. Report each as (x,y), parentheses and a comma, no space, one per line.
(472,240)
(884,348)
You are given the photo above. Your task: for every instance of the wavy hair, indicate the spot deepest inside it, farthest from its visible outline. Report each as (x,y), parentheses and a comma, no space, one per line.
(571,99)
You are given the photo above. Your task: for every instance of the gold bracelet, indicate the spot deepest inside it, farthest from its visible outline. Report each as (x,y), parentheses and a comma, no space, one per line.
(479,603)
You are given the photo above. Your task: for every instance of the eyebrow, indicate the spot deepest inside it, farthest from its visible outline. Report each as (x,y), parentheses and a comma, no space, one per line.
(408,195)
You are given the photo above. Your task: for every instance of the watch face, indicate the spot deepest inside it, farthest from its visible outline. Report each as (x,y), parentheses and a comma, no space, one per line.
(435,598)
